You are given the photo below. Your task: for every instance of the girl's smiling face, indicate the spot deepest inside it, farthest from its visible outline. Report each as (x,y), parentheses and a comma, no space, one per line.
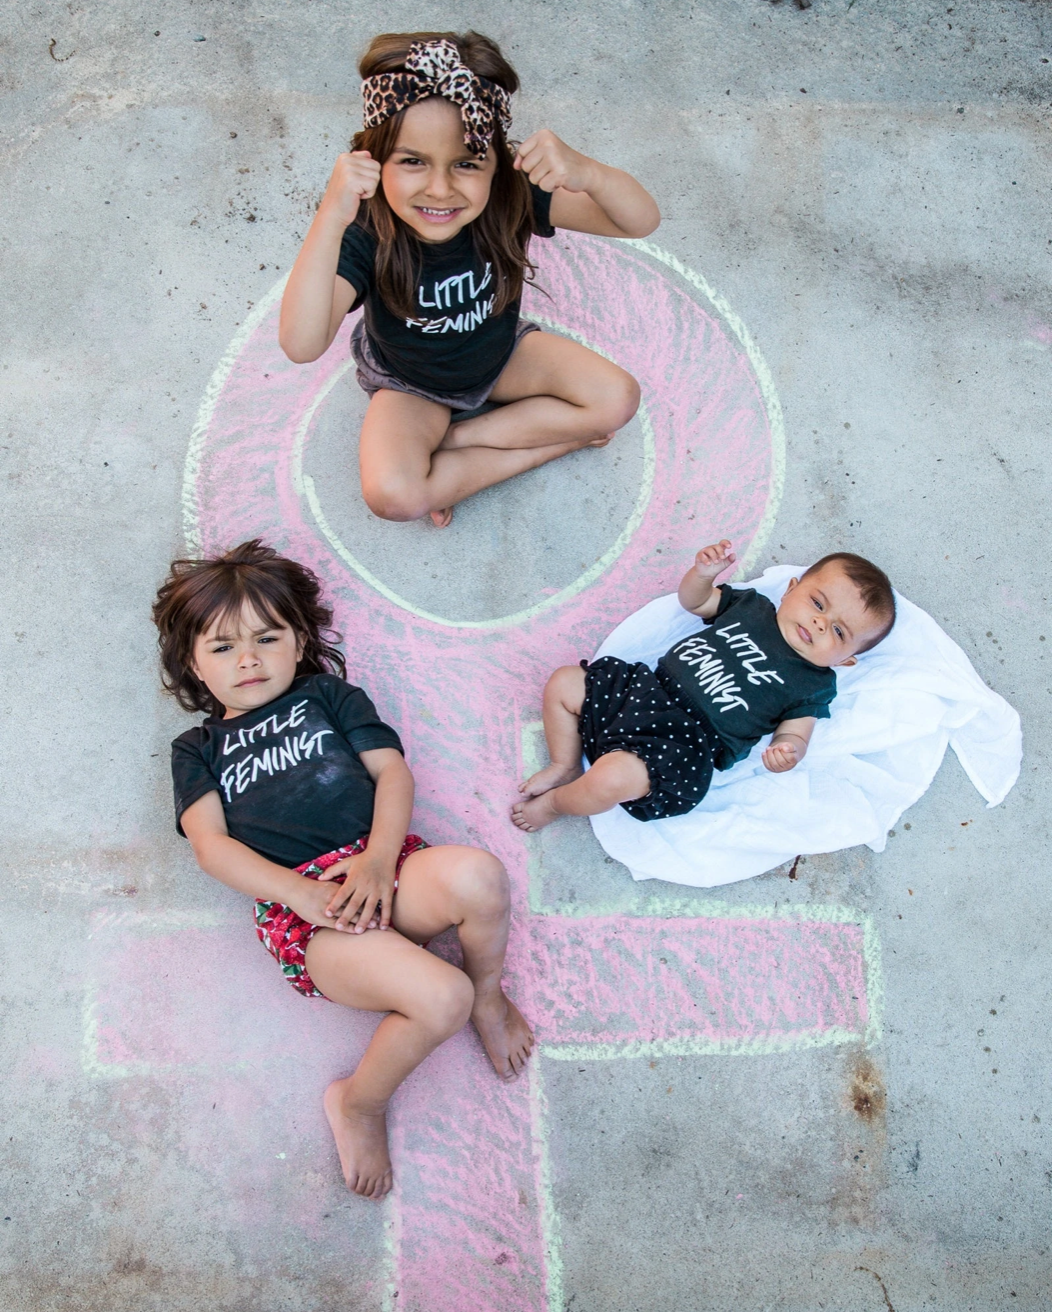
(432,182)
(244,662)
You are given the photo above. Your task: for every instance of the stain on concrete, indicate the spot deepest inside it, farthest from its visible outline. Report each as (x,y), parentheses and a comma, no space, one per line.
(866,1093)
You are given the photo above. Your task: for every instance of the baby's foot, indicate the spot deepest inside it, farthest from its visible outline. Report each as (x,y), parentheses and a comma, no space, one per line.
(552,776)
(361,1141)
(601,441)
(535,813)
(442,518)
(504,1032)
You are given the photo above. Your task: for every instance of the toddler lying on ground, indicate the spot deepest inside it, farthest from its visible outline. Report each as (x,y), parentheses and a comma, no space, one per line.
(654,737)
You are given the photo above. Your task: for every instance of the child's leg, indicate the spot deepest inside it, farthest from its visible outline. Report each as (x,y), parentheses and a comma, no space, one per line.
(553,390)
(468,888)
(428,1000)
(563,699)
(404,474)
(614,778)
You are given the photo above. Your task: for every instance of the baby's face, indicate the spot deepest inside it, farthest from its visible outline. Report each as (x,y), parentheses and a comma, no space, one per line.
(431,180)
(823,619)
(244,663)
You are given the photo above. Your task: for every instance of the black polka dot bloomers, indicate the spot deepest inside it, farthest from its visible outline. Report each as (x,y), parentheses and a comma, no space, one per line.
(626,709)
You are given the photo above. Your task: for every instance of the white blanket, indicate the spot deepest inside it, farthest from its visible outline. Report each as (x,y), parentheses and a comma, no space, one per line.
(894,714)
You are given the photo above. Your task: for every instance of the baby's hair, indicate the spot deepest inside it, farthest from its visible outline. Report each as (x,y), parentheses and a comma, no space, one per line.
(198,592)
(501,232)
(874,588)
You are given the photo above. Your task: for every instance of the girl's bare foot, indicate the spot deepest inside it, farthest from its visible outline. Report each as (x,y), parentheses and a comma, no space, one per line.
(442,518)
(601,441)
(535,813)
(504,1032)
(552,776)
(361,1141)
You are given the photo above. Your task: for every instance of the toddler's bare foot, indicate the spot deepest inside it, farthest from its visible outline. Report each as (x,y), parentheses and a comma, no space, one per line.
(442,518)
(601,441)
(504,1032)
(361,1140)
(535,813)
(552,776)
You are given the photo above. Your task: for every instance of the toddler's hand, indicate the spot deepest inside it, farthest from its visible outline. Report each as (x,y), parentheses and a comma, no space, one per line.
(364,900)
(713,560)
(355,177)
(311,902)
(779,757)
(550,163)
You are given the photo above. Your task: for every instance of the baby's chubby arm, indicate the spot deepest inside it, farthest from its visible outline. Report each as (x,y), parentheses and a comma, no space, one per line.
(696,591)
(234,864)
(316,299)
(788,747)
(586,196)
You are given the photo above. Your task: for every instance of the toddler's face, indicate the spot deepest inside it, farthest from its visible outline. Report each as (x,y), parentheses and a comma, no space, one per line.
(431,180)
(244,663)
(823,619)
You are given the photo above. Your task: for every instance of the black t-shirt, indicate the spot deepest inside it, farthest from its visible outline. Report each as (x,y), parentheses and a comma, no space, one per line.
(289,776)
(742,675)
(452,345)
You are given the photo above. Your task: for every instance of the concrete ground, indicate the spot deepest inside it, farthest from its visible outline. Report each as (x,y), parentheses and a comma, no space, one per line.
(867,183)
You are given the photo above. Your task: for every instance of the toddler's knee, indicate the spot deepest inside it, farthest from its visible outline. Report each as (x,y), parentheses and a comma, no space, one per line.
(483,887)
(448,1004)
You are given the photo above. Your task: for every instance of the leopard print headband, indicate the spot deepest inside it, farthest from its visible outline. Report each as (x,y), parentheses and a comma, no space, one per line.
(434,68)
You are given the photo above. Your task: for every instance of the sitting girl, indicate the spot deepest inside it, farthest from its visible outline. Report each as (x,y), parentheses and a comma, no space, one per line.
(294,791)
(427,224)
(654,737)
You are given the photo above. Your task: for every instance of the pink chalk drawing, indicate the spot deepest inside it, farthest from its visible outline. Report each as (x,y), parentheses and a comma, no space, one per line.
(472,1220)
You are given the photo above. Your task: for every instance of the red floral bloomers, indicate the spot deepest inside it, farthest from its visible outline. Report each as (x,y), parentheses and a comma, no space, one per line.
(286,935)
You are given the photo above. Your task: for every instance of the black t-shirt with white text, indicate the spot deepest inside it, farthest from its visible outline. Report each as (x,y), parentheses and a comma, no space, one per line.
(452,344)
(742,675)
(289,774)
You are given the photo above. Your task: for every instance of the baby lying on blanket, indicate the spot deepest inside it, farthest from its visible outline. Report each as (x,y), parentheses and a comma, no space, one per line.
(653,738)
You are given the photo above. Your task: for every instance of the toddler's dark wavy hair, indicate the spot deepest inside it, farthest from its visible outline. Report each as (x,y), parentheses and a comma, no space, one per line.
(501,233)
(197,592)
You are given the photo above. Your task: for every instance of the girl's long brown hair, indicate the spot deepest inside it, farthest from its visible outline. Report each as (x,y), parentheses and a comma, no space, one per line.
(281,591)
(501,233)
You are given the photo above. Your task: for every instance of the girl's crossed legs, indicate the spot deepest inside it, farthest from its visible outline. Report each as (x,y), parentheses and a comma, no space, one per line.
(428,999)
(556,396)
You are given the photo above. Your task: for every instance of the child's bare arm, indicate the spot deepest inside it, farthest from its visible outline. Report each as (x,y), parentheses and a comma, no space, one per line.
(316,299)
(587,196)
(234,864)
(371,874)
(696,591)
(788,747)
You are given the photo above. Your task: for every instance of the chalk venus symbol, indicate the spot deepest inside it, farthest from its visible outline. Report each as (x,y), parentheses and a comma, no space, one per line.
(472,1220)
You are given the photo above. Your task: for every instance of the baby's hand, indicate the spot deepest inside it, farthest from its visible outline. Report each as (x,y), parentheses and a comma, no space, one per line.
(550,163)
(713,560)
(779,757)
(355,177)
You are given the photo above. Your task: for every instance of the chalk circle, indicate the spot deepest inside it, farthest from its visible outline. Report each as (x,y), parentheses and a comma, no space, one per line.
(703,459)
(538,533)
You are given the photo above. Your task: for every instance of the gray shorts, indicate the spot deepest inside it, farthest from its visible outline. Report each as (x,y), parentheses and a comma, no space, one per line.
(372,377)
